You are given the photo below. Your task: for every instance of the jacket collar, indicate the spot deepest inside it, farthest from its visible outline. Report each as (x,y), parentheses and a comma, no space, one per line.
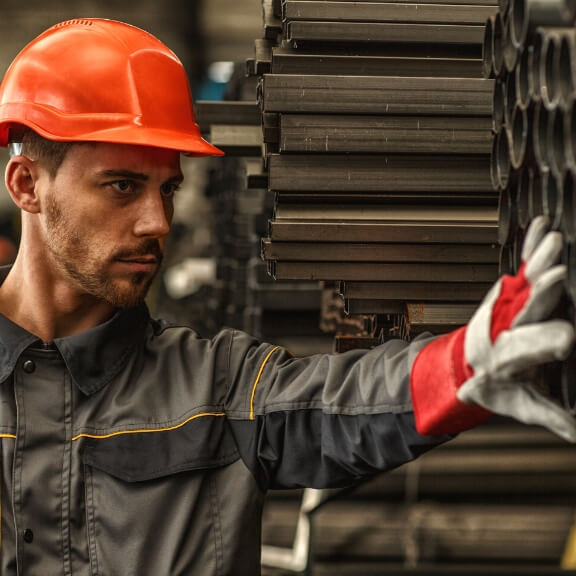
(97,356)
(93,357)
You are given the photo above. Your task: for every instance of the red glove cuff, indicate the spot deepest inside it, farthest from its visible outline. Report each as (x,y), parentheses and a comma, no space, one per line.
(438,371)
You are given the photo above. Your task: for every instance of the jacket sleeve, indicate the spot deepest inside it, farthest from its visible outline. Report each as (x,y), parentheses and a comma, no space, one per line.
(326,420)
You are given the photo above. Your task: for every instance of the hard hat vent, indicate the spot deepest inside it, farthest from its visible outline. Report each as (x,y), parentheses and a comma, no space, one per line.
(75,22)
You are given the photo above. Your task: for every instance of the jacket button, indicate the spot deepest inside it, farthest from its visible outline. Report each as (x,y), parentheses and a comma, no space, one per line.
(29,366)
(28,535)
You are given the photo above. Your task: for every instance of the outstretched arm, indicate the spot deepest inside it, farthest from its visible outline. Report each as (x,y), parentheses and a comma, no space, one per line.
(329,420)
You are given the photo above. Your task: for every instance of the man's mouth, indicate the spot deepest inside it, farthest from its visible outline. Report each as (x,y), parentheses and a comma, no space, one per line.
(140,263)
(141,259)
(144,258)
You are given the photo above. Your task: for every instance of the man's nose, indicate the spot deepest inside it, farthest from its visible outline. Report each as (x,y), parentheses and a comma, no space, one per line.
(154,216)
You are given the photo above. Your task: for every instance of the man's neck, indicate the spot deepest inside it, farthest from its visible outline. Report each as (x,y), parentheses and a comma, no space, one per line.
(46,308)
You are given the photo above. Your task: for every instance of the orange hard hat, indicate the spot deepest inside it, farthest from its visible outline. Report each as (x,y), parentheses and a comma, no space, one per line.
(97,80)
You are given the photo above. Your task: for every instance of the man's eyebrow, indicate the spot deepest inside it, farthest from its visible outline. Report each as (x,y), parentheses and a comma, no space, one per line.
(130,175)
(176,179)
(124,174)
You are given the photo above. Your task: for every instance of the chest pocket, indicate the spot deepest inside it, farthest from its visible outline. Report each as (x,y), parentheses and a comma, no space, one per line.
(139,455)
(153,499)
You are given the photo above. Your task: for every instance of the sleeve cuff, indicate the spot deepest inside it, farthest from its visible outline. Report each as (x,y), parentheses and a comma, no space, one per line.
(438,371)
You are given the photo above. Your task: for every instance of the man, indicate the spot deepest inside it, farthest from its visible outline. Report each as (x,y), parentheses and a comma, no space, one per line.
(131,447)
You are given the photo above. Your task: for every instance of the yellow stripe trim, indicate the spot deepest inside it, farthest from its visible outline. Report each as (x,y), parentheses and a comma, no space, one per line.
(258,380)
(147,430)
(13,436)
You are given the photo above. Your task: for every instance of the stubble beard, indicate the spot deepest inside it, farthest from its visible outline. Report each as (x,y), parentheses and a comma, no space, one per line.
(73,255)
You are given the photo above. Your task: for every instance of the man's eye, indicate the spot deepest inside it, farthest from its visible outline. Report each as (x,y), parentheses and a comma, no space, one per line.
(168,190)
(123,186)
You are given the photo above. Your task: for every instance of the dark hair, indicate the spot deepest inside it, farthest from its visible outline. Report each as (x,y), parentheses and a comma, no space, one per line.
(49,153)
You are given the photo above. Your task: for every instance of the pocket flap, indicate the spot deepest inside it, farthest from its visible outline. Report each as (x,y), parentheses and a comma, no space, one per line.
(139,455)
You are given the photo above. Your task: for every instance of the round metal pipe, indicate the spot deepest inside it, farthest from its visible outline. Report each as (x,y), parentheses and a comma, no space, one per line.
(566,74)
(523,197)
(535,206)
(507,221)
(511,52)
(519,136)
(568,370)
(488,49)
(519,22)
(568,225)
(503,158)
(549,52)
(551,97)
(534,69)
(498,45)
(540,135)
(556,140)
(570,135)
(570,11)
(494,176)
(530,155)
(552,198)
(524,89)
(498,105)
(570,261)
(518,244)
(510,98)
(506,260)
(527,15)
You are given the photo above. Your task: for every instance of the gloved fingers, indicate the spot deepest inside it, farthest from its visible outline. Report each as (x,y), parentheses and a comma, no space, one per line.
(536,231)
(521,401)
(544,296)
(525,347)
(544,255)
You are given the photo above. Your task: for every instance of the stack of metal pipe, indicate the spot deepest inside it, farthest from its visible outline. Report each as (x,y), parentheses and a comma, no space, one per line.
(530,51)
(377,139)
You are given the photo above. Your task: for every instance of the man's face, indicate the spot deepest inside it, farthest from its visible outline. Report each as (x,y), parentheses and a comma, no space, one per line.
(106,215)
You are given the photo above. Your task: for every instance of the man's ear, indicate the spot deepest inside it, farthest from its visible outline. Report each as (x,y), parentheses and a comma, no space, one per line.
(21,178)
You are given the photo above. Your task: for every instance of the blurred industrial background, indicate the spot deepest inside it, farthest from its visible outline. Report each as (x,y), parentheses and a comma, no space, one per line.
(361,199)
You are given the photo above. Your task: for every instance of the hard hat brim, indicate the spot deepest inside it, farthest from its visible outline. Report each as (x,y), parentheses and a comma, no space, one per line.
(188,144)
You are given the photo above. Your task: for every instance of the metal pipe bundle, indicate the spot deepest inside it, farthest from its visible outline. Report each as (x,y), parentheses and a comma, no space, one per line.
(534,139)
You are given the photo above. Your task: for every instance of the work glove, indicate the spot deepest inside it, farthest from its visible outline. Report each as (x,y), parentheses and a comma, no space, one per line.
(490,365)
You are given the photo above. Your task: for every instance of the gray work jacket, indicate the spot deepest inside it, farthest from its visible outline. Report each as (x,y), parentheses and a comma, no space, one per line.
(140,449)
